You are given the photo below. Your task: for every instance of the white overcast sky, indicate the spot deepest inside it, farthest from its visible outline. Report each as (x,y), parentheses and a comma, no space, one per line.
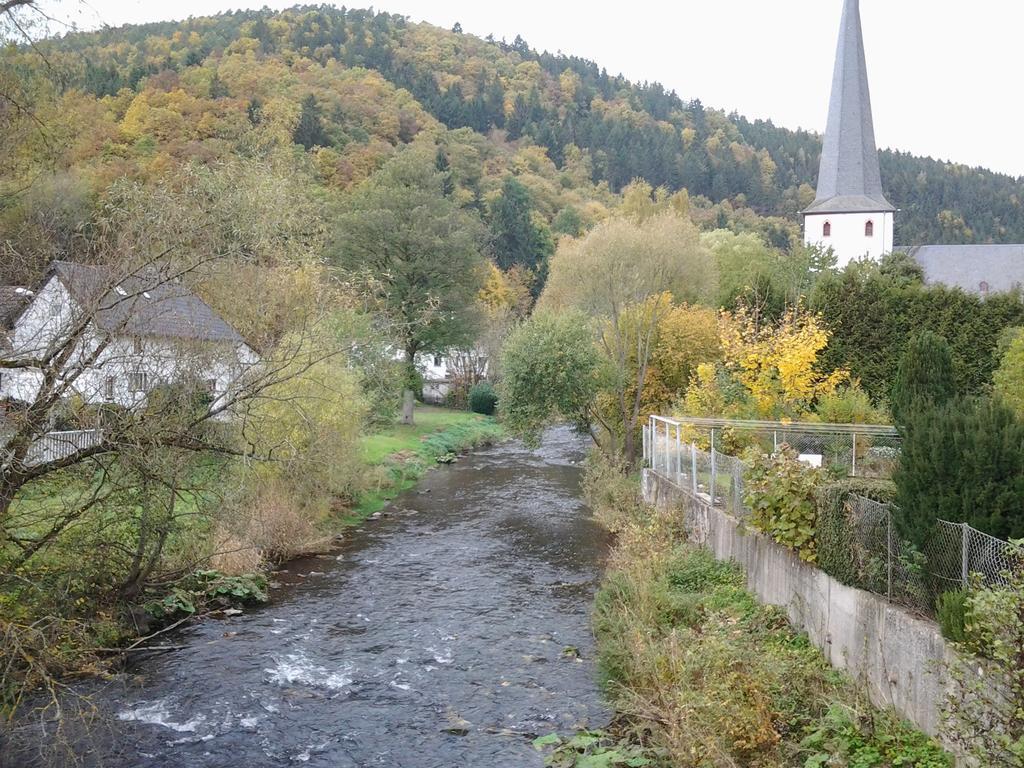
(945,76)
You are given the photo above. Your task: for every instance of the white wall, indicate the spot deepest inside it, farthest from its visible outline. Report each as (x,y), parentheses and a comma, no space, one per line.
(848,239)
(47,321)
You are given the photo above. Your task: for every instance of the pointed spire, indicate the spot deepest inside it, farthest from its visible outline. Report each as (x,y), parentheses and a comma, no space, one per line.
(849,179)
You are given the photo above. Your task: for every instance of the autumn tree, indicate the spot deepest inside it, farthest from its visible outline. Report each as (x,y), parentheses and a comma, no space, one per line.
(687,337)
(419,252)
(778,363)
(624,275)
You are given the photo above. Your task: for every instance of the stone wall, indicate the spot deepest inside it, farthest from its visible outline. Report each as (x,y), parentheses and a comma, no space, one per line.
(898,658)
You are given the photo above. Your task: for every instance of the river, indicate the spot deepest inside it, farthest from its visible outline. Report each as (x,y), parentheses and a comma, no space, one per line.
(450,631)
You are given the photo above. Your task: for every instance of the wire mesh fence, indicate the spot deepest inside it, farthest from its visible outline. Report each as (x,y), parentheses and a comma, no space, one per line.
(857,540)
(857,450)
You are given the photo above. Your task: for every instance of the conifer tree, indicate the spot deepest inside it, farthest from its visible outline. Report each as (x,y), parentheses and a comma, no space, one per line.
(962,462)
(310,129)
(924,378)
(518,240)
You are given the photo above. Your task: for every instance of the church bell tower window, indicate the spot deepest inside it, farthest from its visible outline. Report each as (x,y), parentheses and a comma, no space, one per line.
(869,229)
(826,231)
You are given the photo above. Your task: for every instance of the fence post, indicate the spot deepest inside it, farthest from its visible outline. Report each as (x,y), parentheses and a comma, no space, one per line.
(888,552)
(775,441)
(965,554)
(654,444)
(714,469)
(854,454)
(693,464)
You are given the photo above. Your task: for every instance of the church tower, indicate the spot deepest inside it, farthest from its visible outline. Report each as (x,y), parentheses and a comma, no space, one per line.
(850,213)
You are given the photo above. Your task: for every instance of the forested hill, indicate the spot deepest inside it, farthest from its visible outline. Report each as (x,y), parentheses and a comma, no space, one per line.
(591,124)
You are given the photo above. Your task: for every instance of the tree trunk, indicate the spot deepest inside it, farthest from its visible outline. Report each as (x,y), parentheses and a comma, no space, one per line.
(629,444)
(408,403)
(408,396)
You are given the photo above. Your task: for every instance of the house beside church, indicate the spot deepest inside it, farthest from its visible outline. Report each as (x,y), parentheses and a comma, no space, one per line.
(129,336)
(851,214)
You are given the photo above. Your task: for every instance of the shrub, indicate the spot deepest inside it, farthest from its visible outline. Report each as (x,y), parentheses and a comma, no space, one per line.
(839,553)
(483,399)
(611,491)
(989,727)
(707,676)
(780,493)
(849,405)
(951,613)
(924,377)
(963,462)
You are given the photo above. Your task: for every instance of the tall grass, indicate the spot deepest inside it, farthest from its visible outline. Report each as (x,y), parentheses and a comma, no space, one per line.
(696,667)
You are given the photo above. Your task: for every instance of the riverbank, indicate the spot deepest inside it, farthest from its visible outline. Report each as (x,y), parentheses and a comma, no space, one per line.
(400,455)
(450,631)
(52,627)
(702,675)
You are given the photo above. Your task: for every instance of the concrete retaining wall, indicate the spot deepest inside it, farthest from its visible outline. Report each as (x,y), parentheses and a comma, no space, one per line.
(897,657)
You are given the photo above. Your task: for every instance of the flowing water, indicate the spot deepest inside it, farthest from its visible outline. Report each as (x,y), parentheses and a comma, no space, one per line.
(449,632)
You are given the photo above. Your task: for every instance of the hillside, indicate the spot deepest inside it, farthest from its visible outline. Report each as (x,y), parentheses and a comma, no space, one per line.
(137,100)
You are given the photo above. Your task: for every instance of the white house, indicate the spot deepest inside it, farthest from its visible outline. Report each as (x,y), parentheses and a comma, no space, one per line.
(441,371)
(142,330)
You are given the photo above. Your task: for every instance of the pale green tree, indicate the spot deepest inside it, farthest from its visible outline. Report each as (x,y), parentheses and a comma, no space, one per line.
(624,276)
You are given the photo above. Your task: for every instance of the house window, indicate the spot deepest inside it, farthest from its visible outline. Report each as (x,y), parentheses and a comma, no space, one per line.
(108,388)
(826,231)
(437,361)
(869,229)
(137,381)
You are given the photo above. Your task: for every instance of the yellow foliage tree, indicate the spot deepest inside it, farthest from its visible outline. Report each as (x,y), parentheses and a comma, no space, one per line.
(687,336)
(777,364)
(506,292)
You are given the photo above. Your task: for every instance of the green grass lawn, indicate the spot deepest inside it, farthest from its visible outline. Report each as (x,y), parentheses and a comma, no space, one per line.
(429,420)
(402,454)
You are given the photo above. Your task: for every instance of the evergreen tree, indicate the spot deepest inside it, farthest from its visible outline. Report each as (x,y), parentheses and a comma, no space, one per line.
(961,462)
(310,129)
(519,119)
(517,239)
(444,168)
(255,110)
(924,378)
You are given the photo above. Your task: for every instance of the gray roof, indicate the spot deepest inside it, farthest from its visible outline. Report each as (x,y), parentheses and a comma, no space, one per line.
(974,268)
(13,299)
(849,178)
(149,305)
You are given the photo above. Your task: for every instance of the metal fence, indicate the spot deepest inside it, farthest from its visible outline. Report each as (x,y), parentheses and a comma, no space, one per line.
(858,545)
(858,450)
(54,446)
